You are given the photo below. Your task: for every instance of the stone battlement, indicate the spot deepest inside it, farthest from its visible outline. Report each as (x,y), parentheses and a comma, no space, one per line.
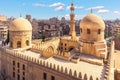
(58,68)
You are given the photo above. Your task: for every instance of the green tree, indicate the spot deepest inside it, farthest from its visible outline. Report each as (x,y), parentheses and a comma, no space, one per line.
(43,38)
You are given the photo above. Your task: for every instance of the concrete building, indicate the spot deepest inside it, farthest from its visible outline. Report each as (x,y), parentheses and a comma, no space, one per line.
(3,28)
(83,57)
(3,18)
(3,32)
(117,29)
(28,17)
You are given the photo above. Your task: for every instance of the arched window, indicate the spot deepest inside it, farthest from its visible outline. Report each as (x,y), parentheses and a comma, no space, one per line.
(88,31)
(99,31)
(18,44)
(27,42)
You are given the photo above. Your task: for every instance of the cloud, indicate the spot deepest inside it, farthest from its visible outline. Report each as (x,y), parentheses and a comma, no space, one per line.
(58,4)
(60,8)
(103,11)
(80,7)
(76,7)
(39,5)
(67,16)
(95,8)
(68,8)
(116,12)
(77,17)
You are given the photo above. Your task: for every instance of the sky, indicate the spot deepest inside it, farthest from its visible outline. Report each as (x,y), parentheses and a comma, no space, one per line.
(45,9)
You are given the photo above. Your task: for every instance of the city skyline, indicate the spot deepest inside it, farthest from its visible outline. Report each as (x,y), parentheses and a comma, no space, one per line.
(45,9)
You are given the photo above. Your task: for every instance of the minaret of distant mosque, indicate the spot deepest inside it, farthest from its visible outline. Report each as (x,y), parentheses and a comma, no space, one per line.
(72,22)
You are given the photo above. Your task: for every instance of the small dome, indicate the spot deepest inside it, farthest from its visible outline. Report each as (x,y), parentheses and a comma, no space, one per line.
(93,22)
(20,24)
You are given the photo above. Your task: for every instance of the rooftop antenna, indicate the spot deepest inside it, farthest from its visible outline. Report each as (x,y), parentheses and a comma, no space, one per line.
(91,11)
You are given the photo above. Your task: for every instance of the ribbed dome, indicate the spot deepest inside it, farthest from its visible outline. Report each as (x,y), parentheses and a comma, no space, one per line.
(93,22)
(20,24)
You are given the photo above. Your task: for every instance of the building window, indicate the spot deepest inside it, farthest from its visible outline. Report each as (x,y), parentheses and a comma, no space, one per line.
(23,73)
(18,44)
(99,31)
(52,78)
(65,44)
(27,43)
(88,31)
(11,44)
(61,43)
(23,78)
(18,71)
(61,48)
(13,68)
(13,63)
(81,30)
(44,76)
(18,64)
(23,67)
(65,48)
(18,77)
(13,74)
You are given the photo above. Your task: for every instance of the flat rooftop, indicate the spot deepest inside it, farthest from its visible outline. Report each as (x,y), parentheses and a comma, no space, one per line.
(81,66)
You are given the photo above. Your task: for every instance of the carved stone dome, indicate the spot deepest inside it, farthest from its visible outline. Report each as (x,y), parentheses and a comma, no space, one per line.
(20,24)
(92,22)
(92,28)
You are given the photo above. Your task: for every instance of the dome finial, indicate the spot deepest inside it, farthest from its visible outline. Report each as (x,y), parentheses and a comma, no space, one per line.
(20,15)
(91,11)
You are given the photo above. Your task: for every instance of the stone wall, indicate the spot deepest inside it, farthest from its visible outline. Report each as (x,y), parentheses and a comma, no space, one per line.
(117,43)
(35,68)
(117,74)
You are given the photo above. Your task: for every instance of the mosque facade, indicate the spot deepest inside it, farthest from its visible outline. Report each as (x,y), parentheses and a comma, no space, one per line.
(84,57)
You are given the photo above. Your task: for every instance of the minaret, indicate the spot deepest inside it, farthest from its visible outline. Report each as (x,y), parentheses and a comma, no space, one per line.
(72,23)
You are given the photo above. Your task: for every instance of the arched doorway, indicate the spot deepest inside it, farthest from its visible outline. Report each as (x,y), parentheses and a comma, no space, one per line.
(18,44)
(27,42)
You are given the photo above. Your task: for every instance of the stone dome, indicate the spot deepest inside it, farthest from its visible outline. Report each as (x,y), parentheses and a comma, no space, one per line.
(92,28)
(20,24)
(93,22)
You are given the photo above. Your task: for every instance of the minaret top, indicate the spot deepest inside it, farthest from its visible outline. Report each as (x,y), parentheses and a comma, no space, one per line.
(91,11)
(72,8)
(20,15)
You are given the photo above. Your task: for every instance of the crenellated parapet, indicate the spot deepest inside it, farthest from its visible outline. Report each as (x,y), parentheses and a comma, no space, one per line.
(48,65)
(109,73)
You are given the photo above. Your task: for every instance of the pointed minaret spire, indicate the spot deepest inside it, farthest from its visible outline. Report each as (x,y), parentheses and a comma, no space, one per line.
(91,11)
(72,22)
(20,15)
